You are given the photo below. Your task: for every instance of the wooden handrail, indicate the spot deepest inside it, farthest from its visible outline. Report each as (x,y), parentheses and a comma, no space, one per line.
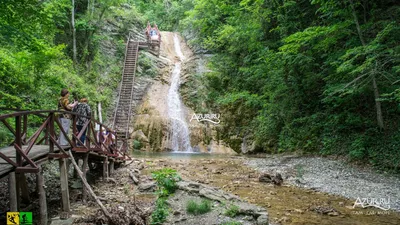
(130,104)
(122,80)
(47,126)
(38,112)
(25,113)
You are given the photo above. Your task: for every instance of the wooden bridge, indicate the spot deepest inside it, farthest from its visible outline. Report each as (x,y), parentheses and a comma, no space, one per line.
(35,134)
(35,142)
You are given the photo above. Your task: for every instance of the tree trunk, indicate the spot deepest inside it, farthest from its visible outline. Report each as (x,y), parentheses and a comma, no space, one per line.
(92,7)
(73,32)
(378,106)
(24,189)
(42,197)
(353,12)
(88,188)
(377,103)
(99,109)
(12,188)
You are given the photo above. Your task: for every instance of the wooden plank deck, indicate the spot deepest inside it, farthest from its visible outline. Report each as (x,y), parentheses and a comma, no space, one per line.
(37,152)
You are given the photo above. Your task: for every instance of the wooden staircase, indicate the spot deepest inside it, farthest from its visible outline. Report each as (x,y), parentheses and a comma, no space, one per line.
(123,111)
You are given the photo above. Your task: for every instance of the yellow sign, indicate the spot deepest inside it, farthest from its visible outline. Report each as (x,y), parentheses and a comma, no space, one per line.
(12,218)
(19,218)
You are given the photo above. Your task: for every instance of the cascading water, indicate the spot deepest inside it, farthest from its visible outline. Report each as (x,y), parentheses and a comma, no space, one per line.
(179,130)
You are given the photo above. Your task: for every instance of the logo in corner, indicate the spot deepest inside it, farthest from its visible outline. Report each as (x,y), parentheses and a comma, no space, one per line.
(19,218)
(25,218)
(13,218)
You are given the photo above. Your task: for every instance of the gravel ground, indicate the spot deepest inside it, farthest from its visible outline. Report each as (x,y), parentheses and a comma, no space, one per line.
(215,216)
(332,176)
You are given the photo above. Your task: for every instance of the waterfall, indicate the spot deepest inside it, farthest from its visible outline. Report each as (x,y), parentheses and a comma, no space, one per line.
(179,130)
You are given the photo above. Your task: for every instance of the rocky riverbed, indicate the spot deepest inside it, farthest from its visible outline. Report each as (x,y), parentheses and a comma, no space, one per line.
(315,190)
(296,201)
(332,176)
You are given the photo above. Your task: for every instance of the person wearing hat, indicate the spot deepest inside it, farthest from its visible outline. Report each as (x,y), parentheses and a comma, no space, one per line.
(65,118)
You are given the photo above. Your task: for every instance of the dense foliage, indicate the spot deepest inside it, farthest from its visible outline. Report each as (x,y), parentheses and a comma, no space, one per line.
(167,14)
(318,76)
(309,75)
(36,50)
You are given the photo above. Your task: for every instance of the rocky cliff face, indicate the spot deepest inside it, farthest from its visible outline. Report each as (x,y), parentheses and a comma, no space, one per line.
(151,121)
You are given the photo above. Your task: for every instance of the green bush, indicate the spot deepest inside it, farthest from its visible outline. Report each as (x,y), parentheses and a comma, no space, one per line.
(145,63)
(357,149)
(160,213)
(166,180)
(232,211)
(192,207)
(137,145)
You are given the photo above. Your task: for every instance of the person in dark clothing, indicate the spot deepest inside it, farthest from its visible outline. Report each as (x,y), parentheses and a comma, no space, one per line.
(83,109)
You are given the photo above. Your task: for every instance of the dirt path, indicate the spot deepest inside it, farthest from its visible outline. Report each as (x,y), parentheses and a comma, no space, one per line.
(286,204)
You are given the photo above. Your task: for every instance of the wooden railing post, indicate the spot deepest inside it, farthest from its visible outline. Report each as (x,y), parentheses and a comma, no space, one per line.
(85,168)
(105,168)
(18,142)
(42,196)
(51,132)
(24,189)
(88,131)
(46,133)
(74,129)
(25,128)
(101,135)
(12,189)
(111,167)
(116,140)
(64,185)
(18,139)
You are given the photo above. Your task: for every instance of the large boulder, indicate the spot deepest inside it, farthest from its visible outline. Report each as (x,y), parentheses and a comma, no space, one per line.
(266,178)
(139,135)
(262,220)
(248,145)
(205,191)
(150,186)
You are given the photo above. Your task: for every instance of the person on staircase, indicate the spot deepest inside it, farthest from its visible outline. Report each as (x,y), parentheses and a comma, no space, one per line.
(65,118)
(83,109)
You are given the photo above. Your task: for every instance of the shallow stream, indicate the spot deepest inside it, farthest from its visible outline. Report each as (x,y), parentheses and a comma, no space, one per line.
(286,204)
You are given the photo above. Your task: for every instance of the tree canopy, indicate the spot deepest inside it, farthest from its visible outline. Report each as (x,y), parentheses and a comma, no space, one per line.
(315,76)
(318,76)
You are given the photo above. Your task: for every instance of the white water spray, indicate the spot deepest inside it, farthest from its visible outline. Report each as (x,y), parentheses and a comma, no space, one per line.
(179,130)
